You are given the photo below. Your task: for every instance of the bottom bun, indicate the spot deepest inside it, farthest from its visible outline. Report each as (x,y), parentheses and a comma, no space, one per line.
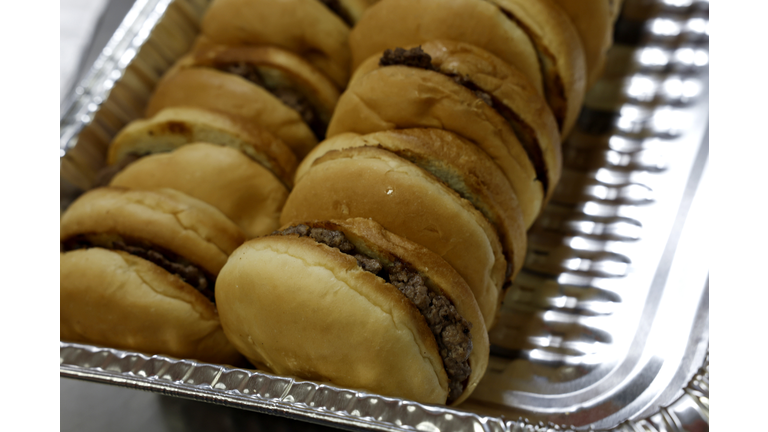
(115,299)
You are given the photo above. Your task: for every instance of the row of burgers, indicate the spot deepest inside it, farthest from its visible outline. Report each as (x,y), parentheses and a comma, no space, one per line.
(336,190)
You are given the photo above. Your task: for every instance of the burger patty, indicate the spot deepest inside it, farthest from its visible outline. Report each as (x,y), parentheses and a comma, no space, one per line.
(287,95)
(451,330)
(170,262)
(416,57)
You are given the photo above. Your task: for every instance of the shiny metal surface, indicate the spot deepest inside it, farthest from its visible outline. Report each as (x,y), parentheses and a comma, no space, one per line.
(607,327)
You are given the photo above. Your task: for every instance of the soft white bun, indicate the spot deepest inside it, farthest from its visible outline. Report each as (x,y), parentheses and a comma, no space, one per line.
(165,218)
(560,52)
(173,127)
(115,299)
(593,20)
(399,23)
(247,193)
(336,322)
(457,163)
(306,27)
(230,94)
(399,97)
(373,183)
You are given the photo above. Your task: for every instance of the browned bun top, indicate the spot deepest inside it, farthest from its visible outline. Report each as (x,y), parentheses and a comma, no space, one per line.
(332,342)
(399,97)
(165,218)
(246,192)
(305,27)
(457,163)
(594,21)
(232,95)
(116,299)
(173,127)
(369,182)
(281,72)
(392,23)
(560,53)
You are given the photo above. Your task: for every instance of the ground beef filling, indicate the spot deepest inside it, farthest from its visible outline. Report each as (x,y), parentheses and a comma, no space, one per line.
(289,96)
(451,331)
(416,57)
(338,10)
(188,272)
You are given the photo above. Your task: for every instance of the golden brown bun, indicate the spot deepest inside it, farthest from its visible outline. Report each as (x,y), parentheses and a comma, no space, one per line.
(534,124)
(399,97)
(166,218)
(399,23)
(247,193)
(115,299)
(457,163)
(305,27)
(232,95)
(594,21)
(560,52)
(277,67)
(373,183)
(334,342)
(174,127)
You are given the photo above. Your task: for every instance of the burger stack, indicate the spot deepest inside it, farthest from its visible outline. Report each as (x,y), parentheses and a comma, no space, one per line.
(386,177)
(210,166)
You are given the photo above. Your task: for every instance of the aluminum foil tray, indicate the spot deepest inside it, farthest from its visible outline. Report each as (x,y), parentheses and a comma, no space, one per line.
(606,328)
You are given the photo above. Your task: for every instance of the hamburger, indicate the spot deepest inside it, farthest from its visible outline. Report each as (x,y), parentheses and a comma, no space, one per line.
(468,91)
(138,271)
(363,308)
(370,182)
(543,41)
(265,86)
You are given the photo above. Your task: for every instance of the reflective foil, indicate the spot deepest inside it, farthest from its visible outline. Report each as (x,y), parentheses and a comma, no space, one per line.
(607,326)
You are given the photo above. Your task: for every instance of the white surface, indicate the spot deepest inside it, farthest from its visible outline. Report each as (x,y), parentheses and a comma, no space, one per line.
(78,21)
